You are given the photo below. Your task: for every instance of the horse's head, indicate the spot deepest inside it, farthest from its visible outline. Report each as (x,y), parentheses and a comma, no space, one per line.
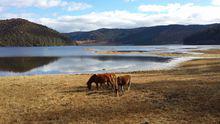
(89,82)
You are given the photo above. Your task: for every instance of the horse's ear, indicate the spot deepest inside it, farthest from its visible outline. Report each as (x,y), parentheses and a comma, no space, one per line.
(95,75)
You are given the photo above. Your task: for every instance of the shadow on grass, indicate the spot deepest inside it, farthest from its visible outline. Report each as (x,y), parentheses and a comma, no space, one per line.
(74,90)
(83,89)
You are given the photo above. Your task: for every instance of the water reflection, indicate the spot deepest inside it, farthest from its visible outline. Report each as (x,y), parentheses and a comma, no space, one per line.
(75,64)
(24,64)
(125,58)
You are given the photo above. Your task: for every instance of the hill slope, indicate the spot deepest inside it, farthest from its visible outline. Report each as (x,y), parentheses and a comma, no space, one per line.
(20,32)
(158,35)
(210,36)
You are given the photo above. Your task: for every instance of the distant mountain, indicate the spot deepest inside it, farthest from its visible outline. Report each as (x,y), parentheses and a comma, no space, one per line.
(20,32)
(157,35)
(210,36)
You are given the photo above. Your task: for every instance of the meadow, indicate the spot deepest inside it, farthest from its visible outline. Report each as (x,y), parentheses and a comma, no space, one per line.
(188,93)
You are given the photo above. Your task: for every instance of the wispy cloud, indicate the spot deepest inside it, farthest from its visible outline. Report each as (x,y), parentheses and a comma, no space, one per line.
(216,2)
(70,6)
(130,0)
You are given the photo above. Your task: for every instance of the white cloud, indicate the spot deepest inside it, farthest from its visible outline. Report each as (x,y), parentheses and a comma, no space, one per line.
(46,3)
(70,6)
(111,19)
(169,14)
(149,15)
(216,2)
(129,0)
(184,13)
(73,6)
(165,8)
(152,8)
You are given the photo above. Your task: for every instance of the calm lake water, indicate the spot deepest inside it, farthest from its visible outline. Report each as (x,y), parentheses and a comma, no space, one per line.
(86,59)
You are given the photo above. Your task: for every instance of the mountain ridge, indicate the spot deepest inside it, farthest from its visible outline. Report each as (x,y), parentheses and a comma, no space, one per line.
(156,35)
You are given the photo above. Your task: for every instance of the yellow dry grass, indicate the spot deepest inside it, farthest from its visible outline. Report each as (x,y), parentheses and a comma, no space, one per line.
(189,93)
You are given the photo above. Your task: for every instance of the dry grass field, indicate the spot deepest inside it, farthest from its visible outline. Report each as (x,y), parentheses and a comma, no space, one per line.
(189,93)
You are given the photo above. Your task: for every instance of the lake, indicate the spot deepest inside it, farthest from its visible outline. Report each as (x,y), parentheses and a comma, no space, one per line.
(16,61)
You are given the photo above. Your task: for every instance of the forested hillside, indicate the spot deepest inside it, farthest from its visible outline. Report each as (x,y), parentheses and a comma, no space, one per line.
(210,36)
(158,35)
(20,32)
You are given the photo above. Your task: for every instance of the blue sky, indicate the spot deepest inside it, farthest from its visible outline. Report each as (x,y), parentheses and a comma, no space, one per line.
(85,15)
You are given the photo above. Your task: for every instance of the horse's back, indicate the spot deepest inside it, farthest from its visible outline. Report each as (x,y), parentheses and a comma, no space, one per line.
(124,79)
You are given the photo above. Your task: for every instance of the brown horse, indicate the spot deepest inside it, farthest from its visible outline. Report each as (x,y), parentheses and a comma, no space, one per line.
(124,80)
(110,79)
(113,82)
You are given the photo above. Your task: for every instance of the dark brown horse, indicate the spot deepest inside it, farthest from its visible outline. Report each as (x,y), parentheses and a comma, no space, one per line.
(101,79)
(123,81)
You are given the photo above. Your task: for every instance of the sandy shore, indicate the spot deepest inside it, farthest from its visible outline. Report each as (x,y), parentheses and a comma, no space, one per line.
(119,52)
(189,93)
(212,53)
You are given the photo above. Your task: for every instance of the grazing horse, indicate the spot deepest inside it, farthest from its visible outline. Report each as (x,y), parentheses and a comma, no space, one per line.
(124,80)
(110,79)
(113,82)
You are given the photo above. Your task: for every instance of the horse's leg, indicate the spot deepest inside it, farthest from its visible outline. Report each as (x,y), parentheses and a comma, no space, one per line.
(113,88)
(112,83)
(116,92)
(101,86)
(108,83)
(122,89)
(97,86)
(119,88)
(129,85)
(116,88)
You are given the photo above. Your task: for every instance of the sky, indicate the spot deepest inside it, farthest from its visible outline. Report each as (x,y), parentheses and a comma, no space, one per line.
(85,15)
